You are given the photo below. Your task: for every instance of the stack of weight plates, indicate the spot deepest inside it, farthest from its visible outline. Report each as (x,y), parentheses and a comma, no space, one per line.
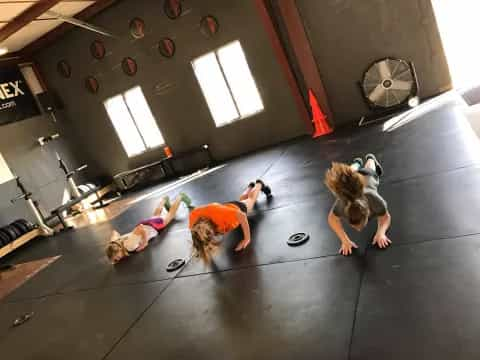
(13,231)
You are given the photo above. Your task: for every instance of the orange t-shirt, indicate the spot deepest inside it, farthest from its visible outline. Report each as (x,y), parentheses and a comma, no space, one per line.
(223,216)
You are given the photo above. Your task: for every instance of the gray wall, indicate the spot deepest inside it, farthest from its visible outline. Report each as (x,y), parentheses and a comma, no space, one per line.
(181,113)
(37,166)
(348,35)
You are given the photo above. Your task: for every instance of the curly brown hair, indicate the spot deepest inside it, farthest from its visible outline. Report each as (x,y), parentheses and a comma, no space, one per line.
(203,239)
(344,182)
(348,185)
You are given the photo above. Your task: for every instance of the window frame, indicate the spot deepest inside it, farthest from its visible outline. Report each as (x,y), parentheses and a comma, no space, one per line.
(230,91)
(146,147)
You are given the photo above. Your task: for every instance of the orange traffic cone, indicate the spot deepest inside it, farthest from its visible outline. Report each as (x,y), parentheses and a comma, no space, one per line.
(319,120)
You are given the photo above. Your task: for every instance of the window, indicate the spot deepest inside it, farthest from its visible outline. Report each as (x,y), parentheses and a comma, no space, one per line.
(5,173)
(227,84)
(134,122)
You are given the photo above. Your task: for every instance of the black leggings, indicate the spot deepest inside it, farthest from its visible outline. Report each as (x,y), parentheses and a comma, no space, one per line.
(239,204)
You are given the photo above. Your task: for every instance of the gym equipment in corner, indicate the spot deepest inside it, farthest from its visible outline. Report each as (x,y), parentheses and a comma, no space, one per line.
(69,174)
(33,206)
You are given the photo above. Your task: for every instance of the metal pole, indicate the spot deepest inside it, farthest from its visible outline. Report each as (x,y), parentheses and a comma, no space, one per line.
(79,23)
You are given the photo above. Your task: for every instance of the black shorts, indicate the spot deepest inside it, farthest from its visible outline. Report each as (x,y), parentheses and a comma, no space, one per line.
(239,204)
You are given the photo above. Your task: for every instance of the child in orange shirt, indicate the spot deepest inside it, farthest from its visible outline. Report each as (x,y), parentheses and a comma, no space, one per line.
(217,219)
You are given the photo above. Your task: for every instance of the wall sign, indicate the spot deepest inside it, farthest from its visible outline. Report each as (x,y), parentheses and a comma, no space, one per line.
(129,66)
(166,47)
(137,28)
(16,100)
(209,26)
(97,49)
(172,8)
(92,84)
(64,69)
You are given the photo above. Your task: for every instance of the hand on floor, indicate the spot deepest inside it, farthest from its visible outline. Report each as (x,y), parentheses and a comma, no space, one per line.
(381,240)
(346,248)
(242,245)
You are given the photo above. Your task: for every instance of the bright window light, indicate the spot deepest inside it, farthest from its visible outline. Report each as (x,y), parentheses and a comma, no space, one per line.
(134,122)
(5,173)
(227,84)
(459,28)
(238,75)
(143,116)
(215,89)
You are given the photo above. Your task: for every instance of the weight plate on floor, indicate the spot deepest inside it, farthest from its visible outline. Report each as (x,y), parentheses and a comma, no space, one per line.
(175,265)
(298,239)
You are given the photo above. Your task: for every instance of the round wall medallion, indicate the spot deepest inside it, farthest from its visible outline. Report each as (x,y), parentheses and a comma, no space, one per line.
(172,8)
(129,66)
(137,28)
(97,49)
(166,47)
(64,69)
(209,26)
(92,84)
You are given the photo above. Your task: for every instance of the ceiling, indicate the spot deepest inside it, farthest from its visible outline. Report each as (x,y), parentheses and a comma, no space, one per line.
(24,22)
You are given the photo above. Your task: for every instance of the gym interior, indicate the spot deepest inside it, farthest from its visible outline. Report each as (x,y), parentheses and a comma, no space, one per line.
(109,106)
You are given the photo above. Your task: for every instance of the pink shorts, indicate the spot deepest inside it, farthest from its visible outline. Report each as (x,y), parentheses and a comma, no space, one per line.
(156,223)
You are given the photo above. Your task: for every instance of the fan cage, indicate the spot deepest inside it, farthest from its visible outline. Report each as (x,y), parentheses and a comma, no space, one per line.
(414,91)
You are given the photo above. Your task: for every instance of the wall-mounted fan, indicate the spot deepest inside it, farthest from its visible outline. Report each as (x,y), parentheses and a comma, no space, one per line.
(389,85)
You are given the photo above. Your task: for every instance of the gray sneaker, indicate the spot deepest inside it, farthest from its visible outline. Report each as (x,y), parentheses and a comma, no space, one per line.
(167,204)
(378,167)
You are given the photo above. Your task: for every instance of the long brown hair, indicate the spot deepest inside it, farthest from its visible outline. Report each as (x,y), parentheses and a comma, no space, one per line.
(348,185)
(203,239)
(344,182)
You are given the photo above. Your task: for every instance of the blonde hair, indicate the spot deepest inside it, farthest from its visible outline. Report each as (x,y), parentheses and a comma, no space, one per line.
(348,185)
(203,239)
(113,248)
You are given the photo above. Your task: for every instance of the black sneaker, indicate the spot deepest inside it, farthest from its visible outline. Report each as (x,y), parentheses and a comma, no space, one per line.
(265,188)
(378,167)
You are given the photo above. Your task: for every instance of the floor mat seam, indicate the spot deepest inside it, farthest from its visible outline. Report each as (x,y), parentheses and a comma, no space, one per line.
(170,281)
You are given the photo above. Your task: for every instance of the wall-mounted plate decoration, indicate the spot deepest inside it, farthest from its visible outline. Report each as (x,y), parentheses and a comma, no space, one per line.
(64,69)
(209,26)
(97,49)
(166,47)
(92,85)
(172,8)
(129,66)
(137,28)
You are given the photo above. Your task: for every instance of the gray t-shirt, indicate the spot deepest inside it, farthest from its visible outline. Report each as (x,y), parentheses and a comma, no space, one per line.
(378,206)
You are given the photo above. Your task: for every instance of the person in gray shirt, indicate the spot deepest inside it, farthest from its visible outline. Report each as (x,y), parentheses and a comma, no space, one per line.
(358,201)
